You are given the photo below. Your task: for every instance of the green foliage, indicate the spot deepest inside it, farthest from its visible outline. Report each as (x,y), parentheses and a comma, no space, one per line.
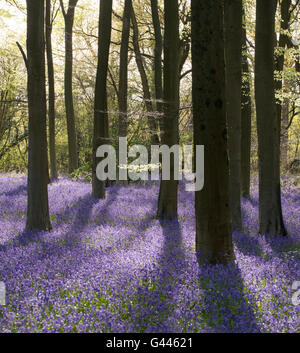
(83,173)
(13,80)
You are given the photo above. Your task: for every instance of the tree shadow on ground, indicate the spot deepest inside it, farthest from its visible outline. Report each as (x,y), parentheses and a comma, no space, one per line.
(7,203)
(153,309)
(247,244)
(282,246)
(225,307)
(79,213)
(72,226)
(131,226)
(17,191)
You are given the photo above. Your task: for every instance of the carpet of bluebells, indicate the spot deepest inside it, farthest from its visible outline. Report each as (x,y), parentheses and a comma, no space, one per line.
(111,266)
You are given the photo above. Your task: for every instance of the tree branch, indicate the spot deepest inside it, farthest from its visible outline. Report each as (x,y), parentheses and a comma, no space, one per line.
(62,8)
(23,54)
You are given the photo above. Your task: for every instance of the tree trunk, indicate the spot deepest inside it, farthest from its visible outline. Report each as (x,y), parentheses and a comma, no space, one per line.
(283,41)
(101,131)
(70,115)
(123,75)
(285,134)
(282,106)
(37,206)
(270,212)
(157,61)
(233,12)
(152,123)
(51,104)
(167,201)
(212,205)
(246,112)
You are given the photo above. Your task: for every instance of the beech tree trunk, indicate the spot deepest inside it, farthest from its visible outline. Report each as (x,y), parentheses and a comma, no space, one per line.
(246,113)
(37,206)
(284,133)
(283,42)
(212,204)
(123,75)
(51,93)
(101,131)
(270,211)
(282,106)
(233,11)
(167,201)
(157,61)
(70,115)
(152,122)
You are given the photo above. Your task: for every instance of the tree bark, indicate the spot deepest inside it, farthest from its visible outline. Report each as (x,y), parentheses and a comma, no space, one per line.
(167,201)
(123,75)
(157,61)
(233,12)
(37,206)
(285,134)
(152,122)
(270,212)
(101,131)
(283,41)
(212,204)
(282,106)
(246,113)
(70,115)
(51,93)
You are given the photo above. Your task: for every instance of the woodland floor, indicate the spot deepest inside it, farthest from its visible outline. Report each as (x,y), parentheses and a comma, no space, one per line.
(110,266)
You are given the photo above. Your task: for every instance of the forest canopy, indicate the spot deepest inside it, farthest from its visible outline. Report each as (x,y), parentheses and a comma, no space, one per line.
(13,138)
